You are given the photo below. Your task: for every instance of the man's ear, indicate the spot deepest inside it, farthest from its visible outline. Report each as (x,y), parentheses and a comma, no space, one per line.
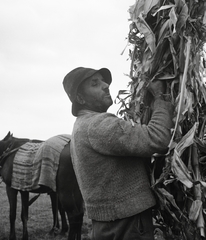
(80,99)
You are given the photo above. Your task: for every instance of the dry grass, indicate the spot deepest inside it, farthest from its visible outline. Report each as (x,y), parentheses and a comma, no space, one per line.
(40,219)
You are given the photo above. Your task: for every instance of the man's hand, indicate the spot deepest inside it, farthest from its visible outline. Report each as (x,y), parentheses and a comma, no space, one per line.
(157,88)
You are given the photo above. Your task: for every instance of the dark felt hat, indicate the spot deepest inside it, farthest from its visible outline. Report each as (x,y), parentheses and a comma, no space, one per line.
(74,78)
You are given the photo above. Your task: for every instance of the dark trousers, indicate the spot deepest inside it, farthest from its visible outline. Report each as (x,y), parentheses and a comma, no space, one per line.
(137,227)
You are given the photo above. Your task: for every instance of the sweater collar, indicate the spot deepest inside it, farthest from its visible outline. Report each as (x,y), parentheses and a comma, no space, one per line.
(84,112)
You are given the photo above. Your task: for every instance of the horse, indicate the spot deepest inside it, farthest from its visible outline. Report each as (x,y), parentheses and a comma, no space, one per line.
(67,189)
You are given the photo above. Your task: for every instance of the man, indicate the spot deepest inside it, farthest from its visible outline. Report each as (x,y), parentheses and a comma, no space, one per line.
(109,156)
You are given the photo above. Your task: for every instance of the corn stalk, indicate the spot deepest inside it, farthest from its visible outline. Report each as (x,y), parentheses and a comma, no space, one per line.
(166,42)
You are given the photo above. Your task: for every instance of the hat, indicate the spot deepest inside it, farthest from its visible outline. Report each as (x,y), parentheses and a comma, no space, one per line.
(74,78)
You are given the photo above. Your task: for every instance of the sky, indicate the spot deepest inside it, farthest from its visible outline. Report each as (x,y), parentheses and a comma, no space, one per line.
(41,41)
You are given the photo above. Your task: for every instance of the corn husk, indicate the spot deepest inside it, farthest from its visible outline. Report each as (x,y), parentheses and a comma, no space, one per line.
(166,42)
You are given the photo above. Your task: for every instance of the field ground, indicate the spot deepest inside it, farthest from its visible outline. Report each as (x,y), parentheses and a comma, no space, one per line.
(40,219)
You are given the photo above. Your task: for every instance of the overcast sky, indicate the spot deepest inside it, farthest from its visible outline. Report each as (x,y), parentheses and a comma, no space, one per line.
(41,41)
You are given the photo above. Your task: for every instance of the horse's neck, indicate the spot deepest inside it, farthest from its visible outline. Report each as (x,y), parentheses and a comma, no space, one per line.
(17,142)
(3,146)
(9,146)
(13,143)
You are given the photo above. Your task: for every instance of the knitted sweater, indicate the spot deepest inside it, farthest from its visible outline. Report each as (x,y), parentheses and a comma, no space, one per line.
(108,156)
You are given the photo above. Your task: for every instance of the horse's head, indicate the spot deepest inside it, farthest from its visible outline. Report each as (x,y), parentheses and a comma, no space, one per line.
(5,142)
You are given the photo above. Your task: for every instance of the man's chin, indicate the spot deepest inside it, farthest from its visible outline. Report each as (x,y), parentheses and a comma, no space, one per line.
(109,103)
(109,100)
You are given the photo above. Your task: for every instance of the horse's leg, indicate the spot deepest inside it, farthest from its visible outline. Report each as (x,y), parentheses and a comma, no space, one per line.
(75,213)
(69,194)
(75,216)
(75,223)
(53,197)
(63,218)
(24,212)
(12,197)
(56,206)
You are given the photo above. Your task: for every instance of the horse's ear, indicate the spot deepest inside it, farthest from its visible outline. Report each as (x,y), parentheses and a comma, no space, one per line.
(7,136)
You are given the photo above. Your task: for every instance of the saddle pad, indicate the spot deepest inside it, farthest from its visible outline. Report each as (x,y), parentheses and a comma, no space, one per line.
(37,163)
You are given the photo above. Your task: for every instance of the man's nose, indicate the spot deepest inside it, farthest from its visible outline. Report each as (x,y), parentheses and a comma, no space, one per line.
(105,85)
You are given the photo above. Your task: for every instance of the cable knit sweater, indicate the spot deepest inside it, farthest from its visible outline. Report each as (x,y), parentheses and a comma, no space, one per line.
(108,156)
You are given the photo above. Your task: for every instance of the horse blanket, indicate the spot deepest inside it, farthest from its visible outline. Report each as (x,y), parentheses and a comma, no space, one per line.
(37,163)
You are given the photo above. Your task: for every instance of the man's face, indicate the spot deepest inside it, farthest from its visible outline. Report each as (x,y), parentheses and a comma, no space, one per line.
(93,94)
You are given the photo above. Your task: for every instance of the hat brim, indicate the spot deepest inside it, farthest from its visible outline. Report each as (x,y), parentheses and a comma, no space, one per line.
(75,108)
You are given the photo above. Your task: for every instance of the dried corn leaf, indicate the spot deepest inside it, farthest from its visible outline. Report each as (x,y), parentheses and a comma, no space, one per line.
(195,210)
(181,172)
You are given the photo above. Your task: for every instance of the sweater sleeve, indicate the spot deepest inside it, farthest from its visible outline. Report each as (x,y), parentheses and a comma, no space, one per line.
(110,135)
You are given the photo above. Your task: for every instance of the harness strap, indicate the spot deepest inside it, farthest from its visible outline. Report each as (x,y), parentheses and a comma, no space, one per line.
(33,199)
